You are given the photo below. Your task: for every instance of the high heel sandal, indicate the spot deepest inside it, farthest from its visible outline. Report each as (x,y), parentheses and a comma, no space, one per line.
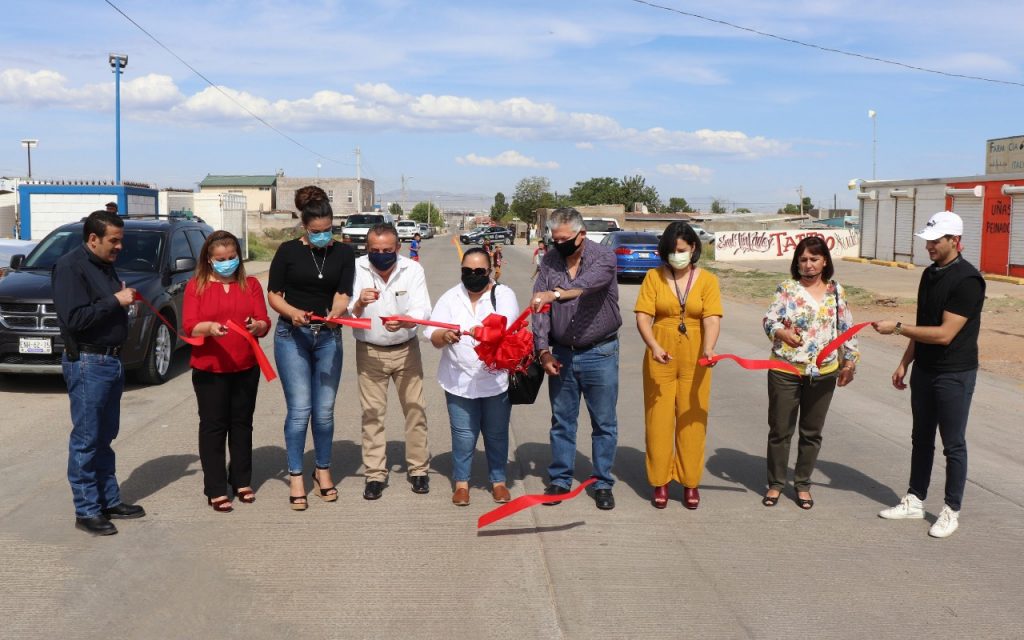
(330,494)
(298,503)
(221,505)
(660,499)
(247,496)
(691,497)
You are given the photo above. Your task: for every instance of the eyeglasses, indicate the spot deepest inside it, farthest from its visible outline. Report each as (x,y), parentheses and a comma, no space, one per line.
(479,271)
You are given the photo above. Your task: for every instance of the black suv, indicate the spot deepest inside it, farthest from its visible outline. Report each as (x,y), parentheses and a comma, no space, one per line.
(494,234)
(157,258)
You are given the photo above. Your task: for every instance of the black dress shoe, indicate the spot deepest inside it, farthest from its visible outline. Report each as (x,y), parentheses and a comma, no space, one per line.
(124,512)
(373,490)
(420,484)
(554,490)
(96,525)
(604,499)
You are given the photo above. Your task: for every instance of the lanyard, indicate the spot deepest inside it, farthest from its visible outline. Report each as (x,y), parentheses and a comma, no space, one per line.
(683,298)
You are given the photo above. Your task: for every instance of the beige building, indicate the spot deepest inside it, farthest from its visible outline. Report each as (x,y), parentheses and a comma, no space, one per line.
(342,192)
(259,191)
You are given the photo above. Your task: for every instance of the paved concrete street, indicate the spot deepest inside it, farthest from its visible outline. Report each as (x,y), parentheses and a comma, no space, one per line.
(414,566)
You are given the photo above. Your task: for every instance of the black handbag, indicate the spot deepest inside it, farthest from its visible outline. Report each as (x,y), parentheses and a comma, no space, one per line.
(523,386)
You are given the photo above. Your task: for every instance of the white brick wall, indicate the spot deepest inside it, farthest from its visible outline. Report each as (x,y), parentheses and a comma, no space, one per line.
(50,210)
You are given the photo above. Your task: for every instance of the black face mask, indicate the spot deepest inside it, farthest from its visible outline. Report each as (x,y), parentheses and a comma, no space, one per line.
(475,283)
(568,247)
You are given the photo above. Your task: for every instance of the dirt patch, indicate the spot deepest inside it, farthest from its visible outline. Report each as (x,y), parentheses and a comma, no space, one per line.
(1000,344)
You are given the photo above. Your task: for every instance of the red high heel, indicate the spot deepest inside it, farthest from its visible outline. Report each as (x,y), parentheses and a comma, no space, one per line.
(660,500)
(691,497)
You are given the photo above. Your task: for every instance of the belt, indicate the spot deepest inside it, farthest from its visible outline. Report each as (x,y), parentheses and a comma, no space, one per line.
(390,346)
(600,342)
(99,350)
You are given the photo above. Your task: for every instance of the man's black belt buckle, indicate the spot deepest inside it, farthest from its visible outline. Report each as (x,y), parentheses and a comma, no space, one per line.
(100,350)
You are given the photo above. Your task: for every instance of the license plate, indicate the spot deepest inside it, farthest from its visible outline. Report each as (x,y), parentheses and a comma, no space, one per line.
(35,345)
(644,254)
(361,247)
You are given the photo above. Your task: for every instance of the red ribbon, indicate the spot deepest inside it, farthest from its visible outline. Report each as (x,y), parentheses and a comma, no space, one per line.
(355,323)
(195,341)
(425,323)
(747,363)
(261,358)
(838,342)
(527,501)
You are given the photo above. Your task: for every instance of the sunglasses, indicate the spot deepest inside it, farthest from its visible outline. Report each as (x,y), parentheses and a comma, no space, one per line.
(479,271)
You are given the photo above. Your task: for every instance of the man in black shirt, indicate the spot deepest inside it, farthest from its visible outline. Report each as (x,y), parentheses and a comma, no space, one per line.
(90,302)
(944,349)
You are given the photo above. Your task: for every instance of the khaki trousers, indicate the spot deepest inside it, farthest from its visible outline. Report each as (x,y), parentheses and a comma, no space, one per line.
(377,366)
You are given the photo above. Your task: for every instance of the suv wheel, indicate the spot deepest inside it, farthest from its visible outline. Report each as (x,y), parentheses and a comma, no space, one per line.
(158,356)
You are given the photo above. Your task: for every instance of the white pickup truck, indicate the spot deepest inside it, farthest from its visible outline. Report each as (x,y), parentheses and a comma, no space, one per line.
(598,228)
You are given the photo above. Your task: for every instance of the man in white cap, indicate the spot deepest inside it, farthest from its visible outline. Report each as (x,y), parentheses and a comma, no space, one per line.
(944,349)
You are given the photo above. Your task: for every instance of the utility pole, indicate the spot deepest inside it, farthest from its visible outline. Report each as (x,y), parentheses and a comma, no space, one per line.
(405,202)
(800,190)
(359,181)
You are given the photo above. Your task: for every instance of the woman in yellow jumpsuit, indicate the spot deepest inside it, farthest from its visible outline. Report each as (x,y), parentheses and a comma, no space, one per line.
(676,388)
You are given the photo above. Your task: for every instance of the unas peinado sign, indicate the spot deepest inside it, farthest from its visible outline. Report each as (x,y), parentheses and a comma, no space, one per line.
(779,244)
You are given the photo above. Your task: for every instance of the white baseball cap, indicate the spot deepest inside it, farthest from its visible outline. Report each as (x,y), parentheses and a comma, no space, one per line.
(943,223)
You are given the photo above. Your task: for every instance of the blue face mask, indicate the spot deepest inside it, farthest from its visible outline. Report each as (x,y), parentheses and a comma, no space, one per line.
(226,268)
(383,261)
(319,240)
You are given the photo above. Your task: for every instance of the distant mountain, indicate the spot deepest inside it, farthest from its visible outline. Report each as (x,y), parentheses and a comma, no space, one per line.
(447,201)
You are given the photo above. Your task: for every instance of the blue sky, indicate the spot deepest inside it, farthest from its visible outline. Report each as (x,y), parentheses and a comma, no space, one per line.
(471,96)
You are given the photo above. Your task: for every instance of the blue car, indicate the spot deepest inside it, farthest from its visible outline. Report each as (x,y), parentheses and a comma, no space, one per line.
(635,252)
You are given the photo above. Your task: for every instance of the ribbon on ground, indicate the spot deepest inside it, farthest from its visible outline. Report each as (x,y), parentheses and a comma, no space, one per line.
(355,323)
(425,323)
(261,358)
(527,501)
(747,363)
(838,342)
(195,341)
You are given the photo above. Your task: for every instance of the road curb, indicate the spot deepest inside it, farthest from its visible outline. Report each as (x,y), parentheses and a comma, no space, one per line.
(1006,279)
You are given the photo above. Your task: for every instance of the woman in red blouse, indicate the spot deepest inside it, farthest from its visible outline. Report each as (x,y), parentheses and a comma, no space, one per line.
(225,374)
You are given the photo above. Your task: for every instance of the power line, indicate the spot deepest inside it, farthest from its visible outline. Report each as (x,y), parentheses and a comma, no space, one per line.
(819,47)
(224,93)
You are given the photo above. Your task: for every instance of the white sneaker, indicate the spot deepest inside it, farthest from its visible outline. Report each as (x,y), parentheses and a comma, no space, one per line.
(909,507)
(947,523)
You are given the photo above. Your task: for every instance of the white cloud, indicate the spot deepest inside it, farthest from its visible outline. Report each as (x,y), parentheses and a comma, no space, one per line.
(688,172)
(584,145)
(508,158)
(376,106)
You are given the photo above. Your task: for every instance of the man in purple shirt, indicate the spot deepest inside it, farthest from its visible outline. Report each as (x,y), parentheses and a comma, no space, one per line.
(578,346)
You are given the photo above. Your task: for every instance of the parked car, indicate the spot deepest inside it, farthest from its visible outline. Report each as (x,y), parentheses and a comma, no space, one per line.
(358,225)
(407,229)
(158,259)
(11,248)
(636,252)
(426,231)
(494,234)
(706,237)
(598,228)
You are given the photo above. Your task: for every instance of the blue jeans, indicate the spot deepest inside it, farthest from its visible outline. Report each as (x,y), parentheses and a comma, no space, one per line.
(95,383)
(940,401)
(471,416)
(310,370)
(594,373)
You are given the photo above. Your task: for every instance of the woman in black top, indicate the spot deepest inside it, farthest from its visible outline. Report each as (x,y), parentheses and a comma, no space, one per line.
(311,275)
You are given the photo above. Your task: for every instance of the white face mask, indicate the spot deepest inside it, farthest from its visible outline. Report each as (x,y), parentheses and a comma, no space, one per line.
(679,260)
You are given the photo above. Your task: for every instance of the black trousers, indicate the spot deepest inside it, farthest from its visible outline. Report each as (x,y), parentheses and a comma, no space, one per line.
(226,405)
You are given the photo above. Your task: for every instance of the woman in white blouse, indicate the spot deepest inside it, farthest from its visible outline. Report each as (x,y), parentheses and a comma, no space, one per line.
(477,397)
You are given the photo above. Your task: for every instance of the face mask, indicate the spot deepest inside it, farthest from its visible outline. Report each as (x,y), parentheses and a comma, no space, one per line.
(225,268)
(679,260)
(320,239)
(567,248)
(475,283)
(383,261)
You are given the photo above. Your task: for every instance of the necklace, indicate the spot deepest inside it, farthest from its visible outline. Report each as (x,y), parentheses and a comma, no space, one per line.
(319,267)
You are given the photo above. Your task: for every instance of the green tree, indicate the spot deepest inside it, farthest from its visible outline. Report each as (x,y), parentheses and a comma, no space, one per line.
(636,189)
(395,209)
(717,207)
(427,212)
(679,205)
(531,194)
(796,209)
(500,209)
(742,210)
(597,191)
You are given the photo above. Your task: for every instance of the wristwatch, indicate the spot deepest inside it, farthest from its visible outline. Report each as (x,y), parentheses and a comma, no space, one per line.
(558,294)
(898,331)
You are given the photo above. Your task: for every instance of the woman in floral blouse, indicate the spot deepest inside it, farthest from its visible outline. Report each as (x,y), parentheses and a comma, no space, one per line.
(808,312)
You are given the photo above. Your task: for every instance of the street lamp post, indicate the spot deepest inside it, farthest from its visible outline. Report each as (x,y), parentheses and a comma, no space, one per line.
(118,61)
(874,139)
(318,173)
(29,143)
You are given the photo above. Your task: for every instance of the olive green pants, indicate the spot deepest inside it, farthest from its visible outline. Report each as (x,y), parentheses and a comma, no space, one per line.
(791,399)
